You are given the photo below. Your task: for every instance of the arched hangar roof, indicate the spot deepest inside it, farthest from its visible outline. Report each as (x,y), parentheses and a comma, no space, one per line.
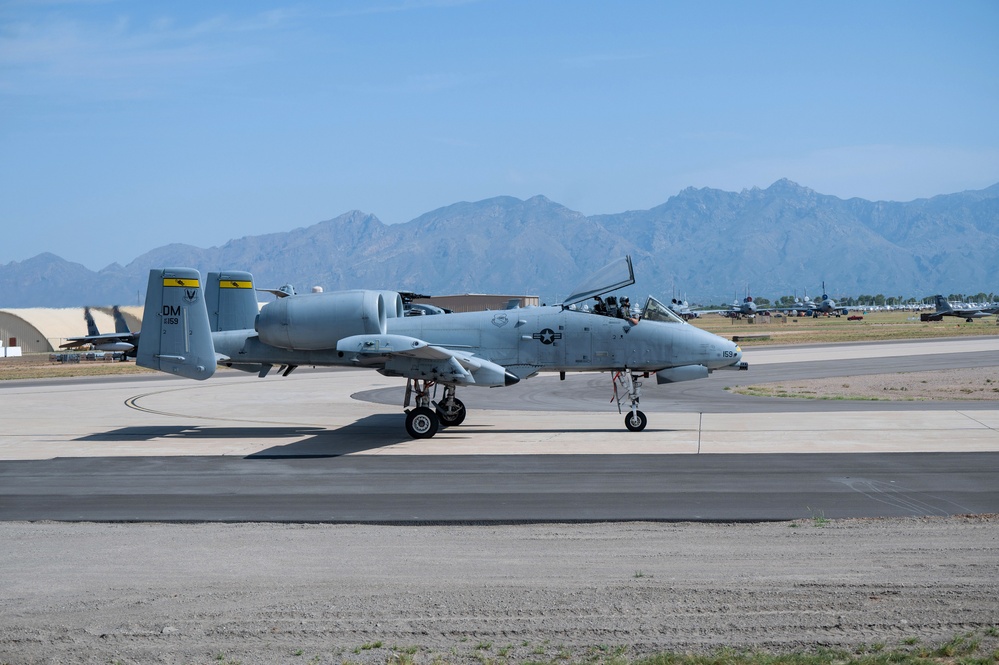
(40,330)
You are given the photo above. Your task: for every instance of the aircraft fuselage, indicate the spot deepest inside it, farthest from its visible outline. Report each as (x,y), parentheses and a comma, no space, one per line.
(525,341)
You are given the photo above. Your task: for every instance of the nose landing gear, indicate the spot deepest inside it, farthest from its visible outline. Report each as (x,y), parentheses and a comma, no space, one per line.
(635,420)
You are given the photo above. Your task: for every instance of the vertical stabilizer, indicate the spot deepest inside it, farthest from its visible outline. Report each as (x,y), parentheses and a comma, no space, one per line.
(120,325)
(231,299)
(176,337)
(92,330)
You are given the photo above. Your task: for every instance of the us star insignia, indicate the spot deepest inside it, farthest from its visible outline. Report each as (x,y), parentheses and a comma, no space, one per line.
(547,336)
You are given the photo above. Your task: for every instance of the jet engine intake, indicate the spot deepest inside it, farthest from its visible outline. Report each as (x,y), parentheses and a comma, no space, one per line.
(315,321)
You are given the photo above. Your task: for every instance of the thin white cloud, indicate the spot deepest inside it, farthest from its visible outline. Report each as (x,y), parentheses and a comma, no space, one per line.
(53,54)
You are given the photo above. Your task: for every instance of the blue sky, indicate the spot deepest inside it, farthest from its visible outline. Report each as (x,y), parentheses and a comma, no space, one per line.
(125,126)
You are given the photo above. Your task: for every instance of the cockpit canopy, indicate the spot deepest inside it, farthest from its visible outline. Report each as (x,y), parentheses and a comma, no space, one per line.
(613,276)
(617,275)
(656,311)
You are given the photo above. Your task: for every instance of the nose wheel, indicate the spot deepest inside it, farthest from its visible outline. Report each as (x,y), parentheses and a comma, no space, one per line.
(635,421)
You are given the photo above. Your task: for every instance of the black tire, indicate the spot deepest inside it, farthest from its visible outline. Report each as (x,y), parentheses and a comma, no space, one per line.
(455,418)
(636,422)
(422,423)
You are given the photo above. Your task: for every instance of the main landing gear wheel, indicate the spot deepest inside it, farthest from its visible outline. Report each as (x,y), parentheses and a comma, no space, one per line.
(421,423)
(451,415)
(635,421)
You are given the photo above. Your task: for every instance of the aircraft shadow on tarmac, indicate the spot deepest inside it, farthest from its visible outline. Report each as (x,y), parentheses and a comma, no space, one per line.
(374,431)
(152,432)
(368,433)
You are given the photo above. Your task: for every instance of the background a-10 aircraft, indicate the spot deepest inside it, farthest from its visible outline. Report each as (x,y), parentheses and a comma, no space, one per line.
(748,308)
(190,328)
(807,307)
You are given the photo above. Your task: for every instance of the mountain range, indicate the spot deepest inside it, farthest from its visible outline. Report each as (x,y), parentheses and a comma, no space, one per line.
(704,244)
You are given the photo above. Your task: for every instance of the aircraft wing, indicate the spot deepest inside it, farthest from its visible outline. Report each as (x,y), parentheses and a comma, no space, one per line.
(103,342)
(400,355)
(283,292)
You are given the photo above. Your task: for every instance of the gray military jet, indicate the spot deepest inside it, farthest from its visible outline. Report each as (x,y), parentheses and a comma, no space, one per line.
(682,309)
(121,340)
(737,310)
(364,328)
(815,308)
(828,306)
(945,308)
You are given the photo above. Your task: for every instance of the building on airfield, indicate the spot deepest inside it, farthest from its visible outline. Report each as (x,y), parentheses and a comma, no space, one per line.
(43,329)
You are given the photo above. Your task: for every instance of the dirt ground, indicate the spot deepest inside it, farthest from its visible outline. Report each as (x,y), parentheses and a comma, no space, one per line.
(977,383)
(268,593)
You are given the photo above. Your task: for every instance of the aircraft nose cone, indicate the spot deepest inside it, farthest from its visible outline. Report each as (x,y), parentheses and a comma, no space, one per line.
(510,379)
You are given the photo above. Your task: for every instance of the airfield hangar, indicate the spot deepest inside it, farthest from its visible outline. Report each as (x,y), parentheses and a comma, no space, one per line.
(42,330)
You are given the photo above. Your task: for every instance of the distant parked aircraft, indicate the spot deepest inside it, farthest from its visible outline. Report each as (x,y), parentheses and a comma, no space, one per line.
(825,305)
(945,308)
(738,310)
(121,340)
(682,309)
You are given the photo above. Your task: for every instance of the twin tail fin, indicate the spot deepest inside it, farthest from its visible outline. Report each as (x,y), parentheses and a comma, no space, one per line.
(176,334)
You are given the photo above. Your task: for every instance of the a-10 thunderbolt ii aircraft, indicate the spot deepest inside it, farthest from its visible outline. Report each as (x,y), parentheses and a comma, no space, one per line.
(189,330)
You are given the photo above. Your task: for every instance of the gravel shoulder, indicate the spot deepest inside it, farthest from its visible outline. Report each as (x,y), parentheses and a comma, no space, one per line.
(269,593)
(975,383)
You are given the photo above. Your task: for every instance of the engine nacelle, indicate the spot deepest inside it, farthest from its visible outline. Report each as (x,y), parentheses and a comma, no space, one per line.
(315,321)
(394,307)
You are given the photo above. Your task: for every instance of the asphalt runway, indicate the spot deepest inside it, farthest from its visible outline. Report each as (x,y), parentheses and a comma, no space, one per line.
(330,446)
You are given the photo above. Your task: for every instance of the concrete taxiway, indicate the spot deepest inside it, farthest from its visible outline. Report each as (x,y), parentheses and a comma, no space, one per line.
(331,446)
